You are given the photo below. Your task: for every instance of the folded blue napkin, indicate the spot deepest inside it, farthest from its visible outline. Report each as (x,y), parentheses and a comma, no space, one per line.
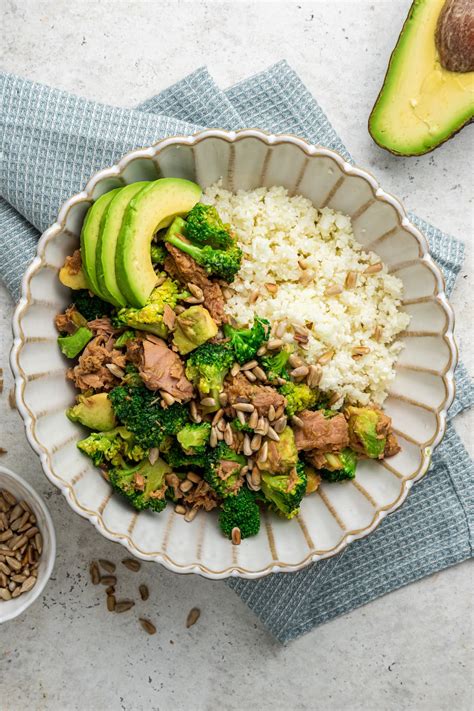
(52,142)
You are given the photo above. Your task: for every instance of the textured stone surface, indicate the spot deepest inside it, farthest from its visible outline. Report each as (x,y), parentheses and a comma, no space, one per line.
(409,650)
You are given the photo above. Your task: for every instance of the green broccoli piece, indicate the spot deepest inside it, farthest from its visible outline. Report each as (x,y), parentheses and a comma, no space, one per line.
(150,317)
(340,466)
(299,396)
(276,366)
(113,447)
(240,512)
(132,376)
(137,408)
(240,427)
(91,307)
(283,492)
(245,342)
(158,253)
(123,339)
(194,437)
(220,263)
(207,367)
(204,226)
(73,344)
(223,469)
(177,459)
(144,486)
(363,434)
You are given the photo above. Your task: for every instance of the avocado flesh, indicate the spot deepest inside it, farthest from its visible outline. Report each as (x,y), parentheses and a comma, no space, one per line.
(152,209)
(421,104)
(95,412)
(90,236)
(106,244)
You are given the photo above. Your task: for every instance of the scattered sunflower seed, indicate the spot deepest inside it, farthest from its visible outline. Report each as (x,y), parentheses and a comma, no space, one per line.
(250,376)
(373,268)
(208,402)
(297,421)
(148,626)
(124,605)
(108,580)
(111,603)
(274,343)
(193,616)
(131,564)
(243,407)
(94,573)
(144,592)
(107,565)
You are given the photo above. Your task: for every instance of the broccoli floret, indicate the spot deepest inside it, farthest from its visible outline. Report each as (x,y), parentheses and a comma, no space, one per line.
(143,486)
(150,317)
(158,253)
(132,376)
(91,307)
(113,447)
(245,342)
(223,469)
(221,263)
(207,367)
(177,459)
(240,427)
(340,466)
(136,407)
(299,396)
(276,366)
(283,492)
(204,226)
(240,512)
(73,344)
(194,437)
(123,339)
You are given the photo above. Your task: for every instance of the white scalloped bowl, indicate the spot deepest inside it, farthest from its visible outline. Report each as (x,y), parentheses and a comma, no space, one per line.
(418,401)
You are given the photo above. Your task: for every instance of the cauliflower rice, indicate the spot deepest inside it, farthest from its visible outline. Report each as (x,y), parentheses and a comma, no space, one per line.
(304,251)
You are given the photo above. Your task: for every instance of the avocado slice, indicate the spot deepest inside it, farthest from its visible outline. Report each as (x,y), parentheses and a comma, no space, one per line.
(152,209)
(421,104)
(74,280)
(108,235)
(192,328)
(95,412)
(89,237)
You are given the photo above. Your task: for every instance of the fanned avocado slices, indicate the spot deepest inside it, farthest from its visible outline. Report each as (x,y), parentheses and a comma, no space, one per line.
(90,236)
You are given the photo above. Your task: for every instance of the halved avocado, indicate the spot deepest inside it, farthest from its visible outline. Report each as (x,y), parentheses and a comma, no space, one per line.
(89,237)
(108,235)
(153,208)
(421,104)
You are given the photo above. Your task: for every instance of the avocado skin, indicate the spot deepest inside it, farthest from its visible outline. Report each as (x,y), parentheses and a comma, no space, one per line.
(153,208)
(416,6)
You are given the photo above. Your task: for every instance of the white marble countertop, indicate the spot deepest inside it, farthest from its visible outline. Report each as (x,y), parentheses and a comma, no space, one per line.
(408,650)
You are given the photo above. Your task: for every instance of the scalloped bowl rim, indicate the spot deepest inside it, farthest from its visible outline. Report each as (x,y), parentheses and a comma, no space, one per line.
(85,195)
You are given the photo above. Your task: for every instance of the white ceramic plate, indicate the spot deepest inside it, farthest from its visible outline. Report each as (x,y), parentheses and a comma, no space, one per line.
(419,398)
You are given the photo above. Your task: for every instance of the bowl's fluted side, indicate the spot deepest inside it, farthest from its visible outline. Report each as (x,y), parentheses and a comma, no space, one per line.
(419,397)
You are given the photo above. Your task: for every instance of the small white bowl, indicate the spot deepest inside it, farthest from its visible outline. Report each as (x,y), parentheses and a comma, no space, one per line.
(24,492)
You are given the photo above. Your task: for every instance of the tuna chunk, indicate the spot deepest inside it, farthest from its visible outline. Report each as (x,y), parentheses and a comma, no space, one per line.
(92,371)
(262,396)
(161,368)
(184,268)
(67,322)
(317,432)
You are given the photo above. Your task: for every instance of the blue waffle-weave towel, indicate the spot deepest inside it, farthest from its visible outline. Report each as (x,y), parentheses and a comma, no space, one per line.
(52,142)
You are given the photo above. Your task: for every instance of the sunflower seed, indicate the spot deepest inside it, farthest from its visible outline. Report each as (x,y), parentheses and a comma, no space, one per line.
(132,564)
(253,420)
(236,536)
(235,369)
(148,626)
(169,399)
(144,592)
(295,361)
(195,290)
(279,425)
(180,509)
(208,402)
(247,449)
(15,513)
(107,565)
(195,478)
(5,594)
(193,616)
(193,300)
(186,486)
(28,584)
(334,399)
(249,365)
(326,357)
(333,290)
(351,280)
(271,434)
(219,414)
(6,535)
(190,514)
(115,370)
(250,484)
(373,268)
(124,605)
(4,568)
(271,413)
(228,436)
(256,442)
(271,288)
(377,333)
(262,350)
(314,375)
(221,425)
(280,329)
(31,532)
(223,399)
(300,372)
(360,351)
(262,426)
(220,430)
(250,376)
(302,263)
(228,293)
(243,407)
(241,417)
(274,344)
(110,590)
(263,453)
(16,593)
(108,580)
(213,438)
(111,603)
(193,411)
(297,421)
(259,373)
(153,455)
(254,296)
(13,563)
